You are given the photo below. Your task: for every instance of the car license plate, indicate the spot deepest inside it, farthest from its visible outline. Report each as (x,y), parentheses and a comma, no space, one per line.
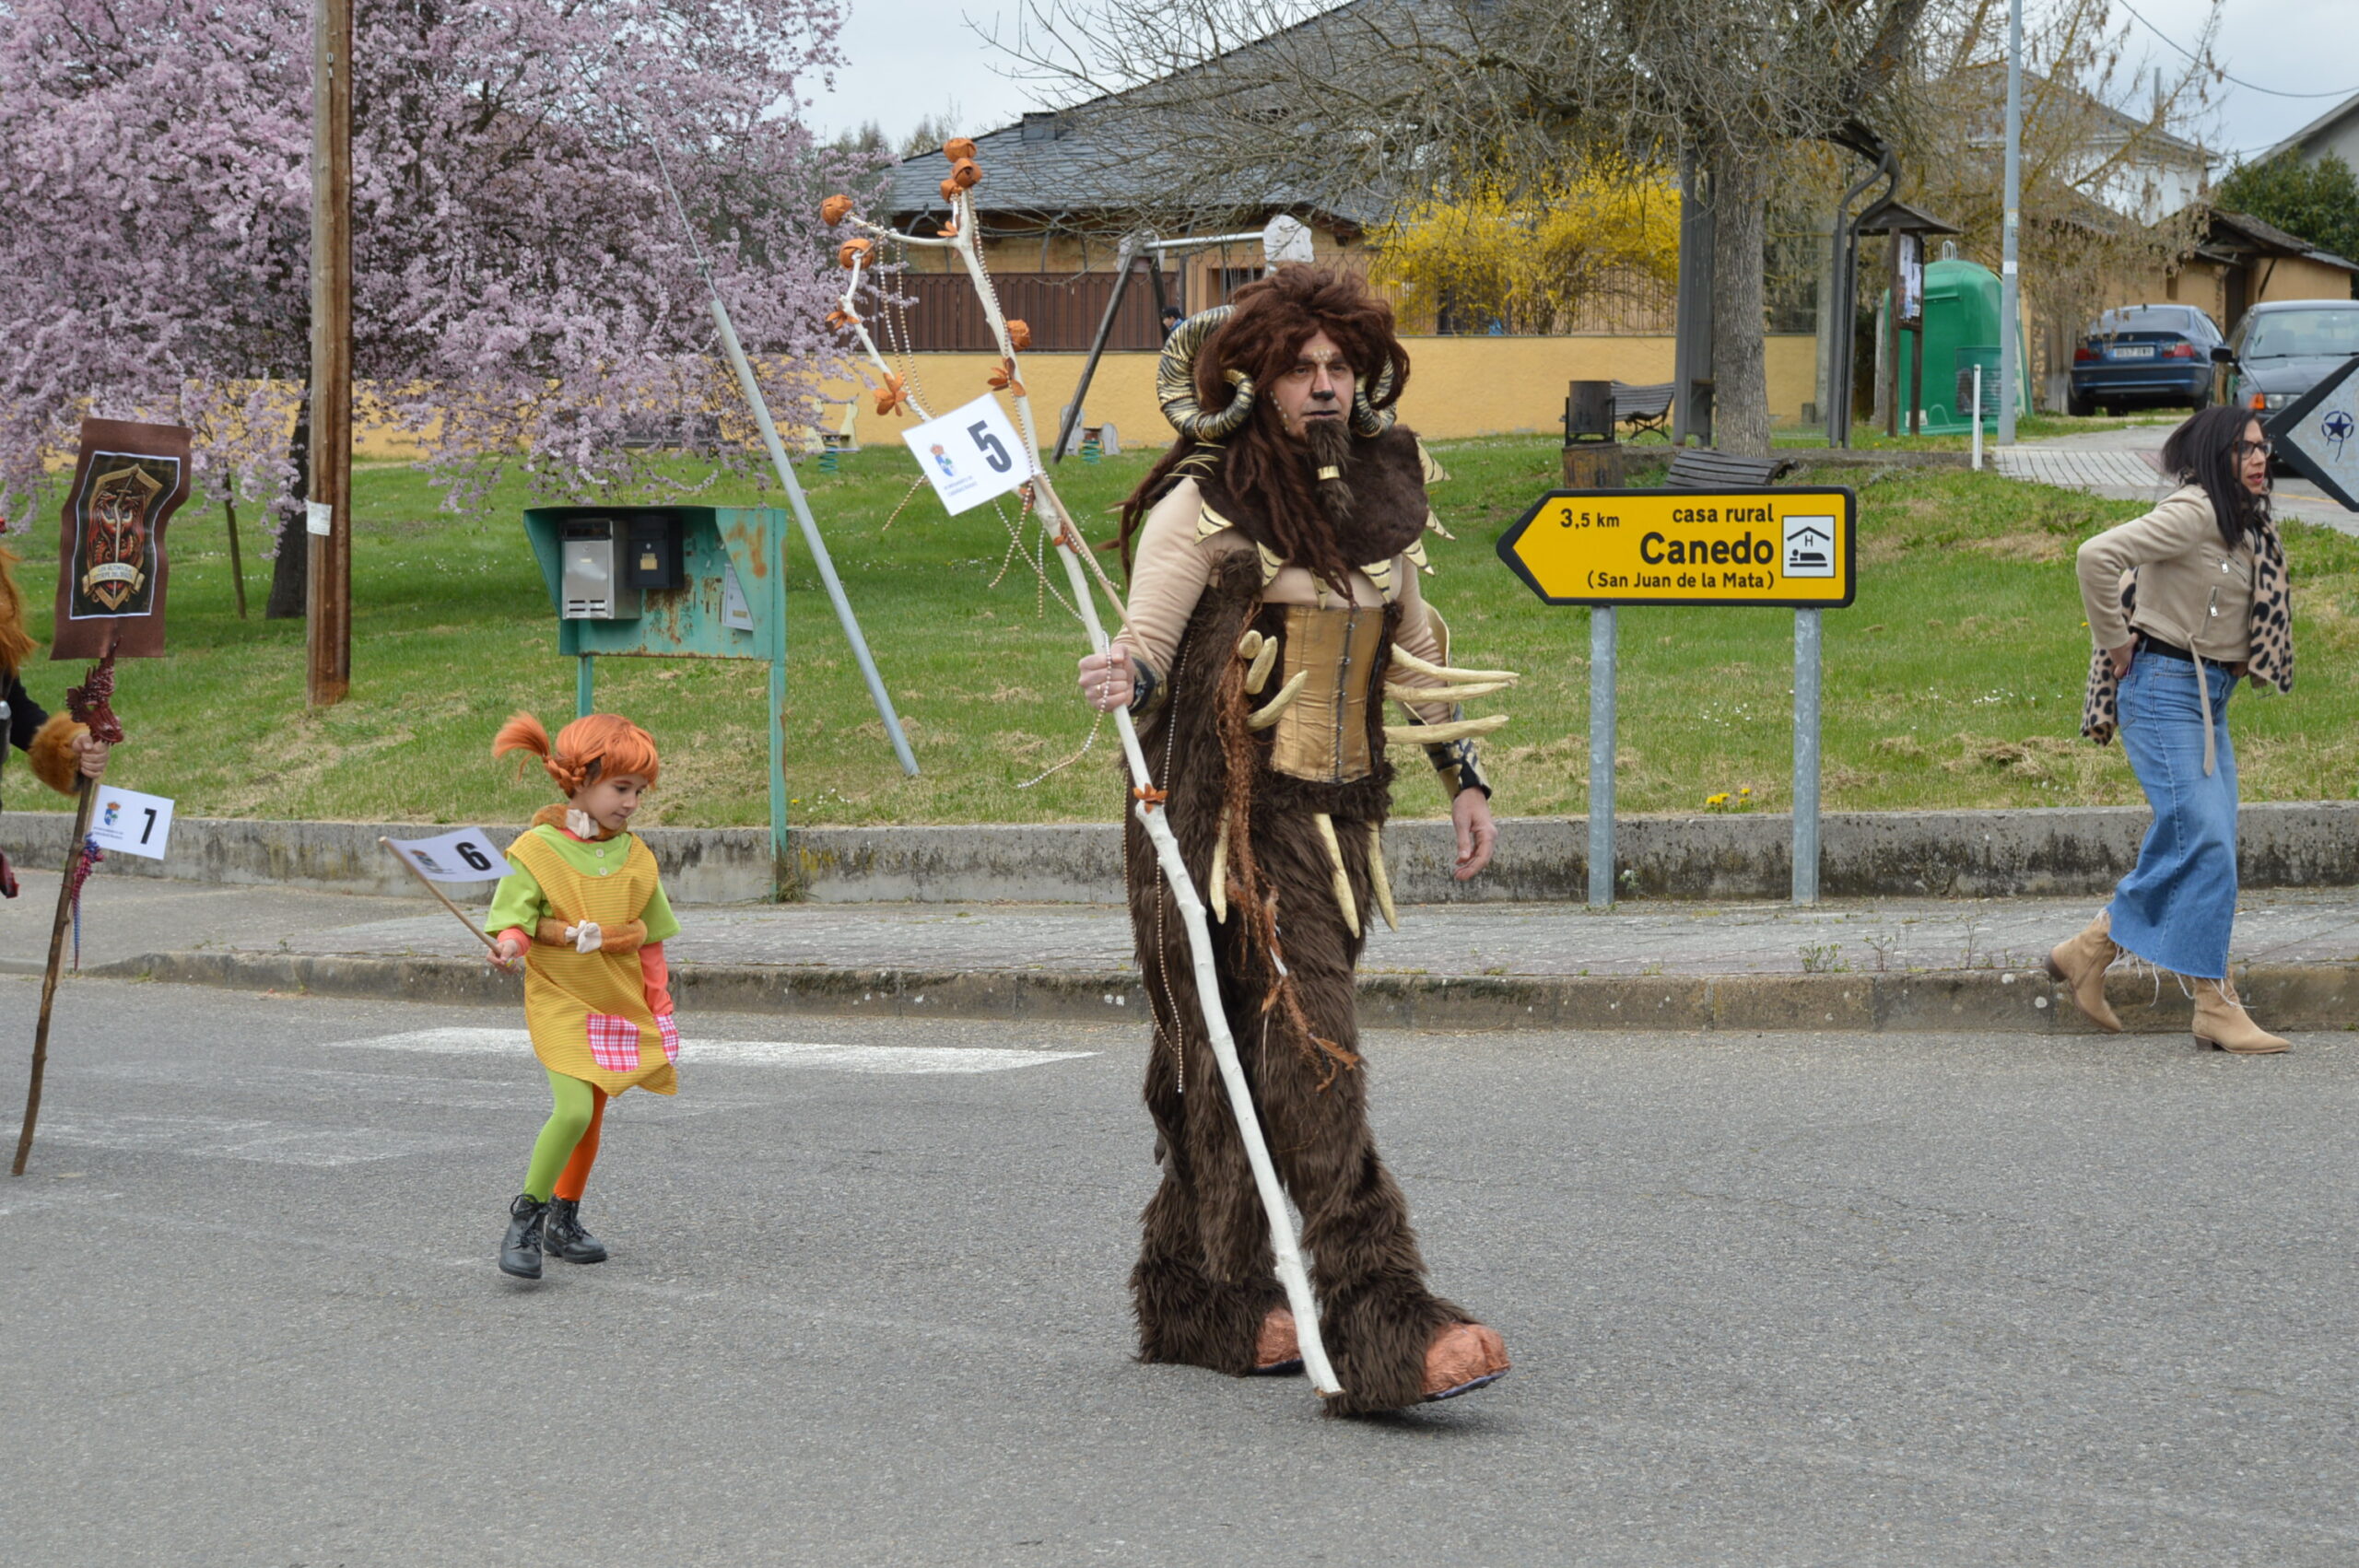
(2134,351)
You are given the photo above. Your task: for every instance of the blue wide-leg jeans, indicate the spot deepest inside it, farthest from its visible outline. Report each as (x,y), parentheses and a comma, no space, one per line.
(2176,908)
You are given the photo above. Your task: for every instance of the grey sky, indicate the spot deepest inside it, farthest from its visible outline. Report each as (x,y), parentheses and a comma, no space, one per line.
(912,58)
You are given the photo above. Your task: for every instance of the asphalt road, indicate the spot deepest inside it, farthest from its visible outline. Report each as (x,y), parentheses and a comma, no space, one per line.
(1773,1300)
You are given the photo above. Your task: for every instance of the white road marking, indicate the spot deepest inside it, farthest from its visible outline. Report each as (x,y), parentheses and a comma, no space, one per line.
(225,1138)
(892,1060)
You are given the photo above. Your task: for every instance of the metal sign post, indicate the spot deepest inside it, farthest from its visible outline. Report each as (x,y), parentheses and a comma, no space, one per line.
(1601,756)
(1782,546)
(1805,885)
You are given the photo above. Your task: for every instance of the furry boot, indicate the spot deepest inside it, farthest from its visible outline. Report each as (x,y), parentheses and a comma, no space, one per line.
(2222,1023)
(2080,963)
(1185,1315)
(520,1250)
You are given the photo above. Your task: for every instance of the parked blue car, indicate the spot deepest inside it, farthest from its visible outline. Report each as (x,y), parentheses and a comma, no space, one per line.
(2144,355)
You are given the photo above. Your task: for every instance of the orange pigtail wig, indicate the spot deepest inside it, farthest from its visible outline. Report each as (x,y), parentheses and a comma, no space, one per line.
(585,750)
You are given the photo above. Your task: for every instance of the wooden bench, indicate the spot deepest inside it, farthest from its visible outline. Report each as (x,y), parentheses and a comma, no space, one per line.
(1706,468)
(1643,408)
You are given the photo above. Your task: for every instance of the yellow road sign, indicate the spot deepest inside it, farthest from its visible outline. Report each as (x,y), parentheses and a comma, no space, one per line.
(1774,546)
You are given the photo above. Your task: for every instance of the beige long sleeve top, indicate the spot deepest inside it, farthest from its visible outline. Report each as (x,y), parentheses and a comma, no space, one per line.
(2192,590)
(1171,565)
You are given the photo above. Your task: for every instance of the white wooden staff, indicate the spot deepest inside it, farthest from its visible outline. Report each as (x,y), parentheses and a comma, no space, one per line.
(1080,568)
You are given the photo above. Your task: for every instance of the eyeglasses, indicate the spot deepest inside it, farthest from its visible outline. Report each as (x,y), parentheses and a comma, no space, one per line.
(2264,448)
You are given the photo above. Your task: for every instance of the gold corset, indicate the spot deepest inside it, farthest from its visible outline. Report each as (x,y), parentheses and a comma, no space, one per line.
(1323,734)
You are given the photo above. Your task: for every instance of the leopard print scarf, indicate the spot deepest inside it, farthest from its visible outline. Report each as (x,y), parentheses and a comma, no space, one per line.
(2270,662)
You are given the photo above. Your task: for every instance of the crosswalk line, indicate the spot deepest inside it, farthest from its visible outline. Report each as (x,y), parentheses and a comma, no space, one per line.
(230,1138)
(887,1059)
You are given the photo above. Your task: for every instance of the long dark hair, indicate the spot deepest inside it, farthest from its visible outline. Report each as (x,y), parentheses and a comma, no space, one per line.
(2203,451)
(1273,318)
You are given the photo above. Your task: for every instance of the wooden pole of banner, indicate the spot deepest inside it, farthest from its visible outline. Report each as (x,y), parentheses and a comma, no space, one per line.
(328,664)
(237,562)
(456,913)
(85,797)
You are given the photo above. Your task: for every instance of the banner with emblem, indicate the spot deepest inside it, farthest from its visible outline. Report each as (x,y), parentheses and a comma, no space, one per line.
(127,483)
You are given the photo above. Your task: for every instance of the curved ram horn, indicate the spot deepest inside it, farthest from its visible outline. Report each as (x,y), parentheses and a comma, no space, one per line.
(1175,381)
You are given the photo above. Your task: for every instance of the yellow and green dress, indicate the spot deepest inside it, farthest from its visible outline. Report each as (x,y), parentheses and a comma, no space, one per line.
(589,1013)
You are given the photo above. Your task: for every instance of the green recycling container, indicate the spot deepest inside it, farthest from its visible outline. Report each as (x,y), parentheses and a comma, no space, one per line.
(1961,327)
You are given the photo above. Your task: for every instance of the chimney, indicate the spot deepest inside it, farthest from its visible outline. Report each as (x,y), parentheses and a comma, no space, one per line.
(1040,126)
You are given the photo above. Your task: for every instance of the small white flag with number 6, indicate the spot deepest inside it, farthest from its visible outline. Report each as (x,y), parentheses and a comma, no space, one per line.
(464,856)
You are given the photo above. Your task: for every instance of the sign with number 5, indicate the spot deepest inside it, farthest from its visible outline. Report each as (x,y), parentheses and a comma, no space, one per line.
(125,822)
(971,454)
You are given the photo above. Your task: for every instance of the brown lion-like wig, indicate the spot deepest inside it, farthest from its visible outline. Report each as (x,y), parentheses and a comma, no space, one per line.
(1272,319)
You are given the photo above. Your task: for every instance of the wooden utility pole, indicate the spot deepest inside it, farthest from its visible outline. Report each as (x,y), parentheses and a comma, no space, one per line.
(328,673)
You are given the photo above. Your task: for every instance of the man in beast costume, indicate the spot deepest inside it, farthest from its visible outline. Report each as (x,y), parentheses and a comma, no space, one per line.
(1273,610)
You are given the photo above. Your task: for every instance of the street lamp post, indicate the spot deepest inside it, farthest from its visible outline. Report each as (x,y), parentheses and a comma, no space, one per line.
(2010,290)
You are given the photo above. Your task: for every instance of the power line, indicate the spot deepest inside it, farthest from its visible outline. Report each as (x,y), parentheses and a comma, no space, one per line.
(2249,86)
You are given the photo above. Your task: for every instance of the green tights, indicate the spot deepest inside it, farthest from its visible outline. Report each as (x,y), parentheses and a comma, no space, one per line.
(569,1139)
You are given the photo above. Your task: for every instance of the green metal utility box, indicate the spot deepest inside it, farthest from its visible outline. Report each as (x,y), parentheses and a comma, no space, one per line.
(1961,326)
(676,582)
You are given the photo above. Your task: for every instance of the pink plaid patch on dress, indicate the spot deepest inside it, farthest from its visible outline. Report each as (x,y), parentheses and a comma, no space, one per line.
(671,1033)
(614,1043)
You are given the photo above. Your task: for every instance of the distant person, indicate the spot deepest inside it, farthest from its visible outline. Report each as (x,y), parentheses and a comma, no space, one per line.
(1171,320)
(2181,603)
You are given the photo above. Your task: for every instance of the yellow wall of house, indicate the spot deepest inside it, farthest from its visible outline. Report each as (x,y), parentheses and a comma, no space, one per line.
(2205,283)
(1459,387)
(2296,278)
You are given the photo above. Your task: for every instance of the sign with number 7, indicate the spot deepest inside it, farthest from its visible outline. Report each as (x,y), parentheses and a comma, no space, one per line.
(971,454)
(125,822)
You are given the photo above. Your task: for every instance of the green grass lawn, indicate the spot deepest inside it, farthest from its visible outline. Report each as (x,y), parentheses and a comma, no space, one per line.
(1954,682)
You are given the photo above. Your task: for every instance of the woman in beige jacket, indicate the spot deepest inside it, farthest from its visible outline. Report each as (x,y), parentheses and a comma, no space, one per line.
(2181,603)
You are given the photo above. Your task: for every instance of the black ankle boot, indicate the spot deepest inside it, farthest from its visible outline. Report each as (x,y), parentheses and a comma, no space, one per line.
(520,1250)
(563,1234)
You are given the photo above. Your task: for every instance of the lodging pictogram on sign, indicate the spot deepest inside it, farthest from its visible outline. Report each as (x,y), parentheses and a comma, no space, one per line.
(1791,547)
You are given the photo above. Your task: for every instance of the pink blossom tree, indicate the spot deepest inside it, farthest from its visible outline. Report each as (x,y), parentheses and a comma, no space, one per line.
(523,289)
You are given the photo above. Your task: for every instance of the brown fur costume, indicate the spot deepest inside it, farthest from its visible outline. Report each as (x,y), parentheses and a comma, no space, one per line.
(1204,1277)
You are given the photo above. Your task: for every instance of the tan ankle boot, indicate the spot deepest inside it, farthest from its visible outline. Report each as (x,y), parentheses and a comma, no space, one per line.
(2080,963)
(2222,1023)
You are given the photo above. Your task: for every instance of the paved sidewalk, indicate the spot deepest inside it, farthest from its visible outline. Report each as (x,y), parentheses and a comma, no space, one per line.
(1486,965)
(2125,464)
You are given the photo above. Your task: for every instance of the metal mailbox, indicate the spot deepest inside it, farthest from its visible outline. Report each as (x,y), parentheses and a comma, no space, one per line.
(672,582)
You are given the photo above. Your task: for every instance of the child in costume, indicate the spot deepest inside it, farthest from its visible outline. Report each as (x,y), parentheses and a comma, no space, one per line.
(585,912)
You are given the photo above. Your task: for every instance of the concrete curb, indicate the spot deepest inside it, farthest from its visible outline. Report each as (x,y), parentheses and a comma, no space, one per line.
(2284,996)
(2063,851)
